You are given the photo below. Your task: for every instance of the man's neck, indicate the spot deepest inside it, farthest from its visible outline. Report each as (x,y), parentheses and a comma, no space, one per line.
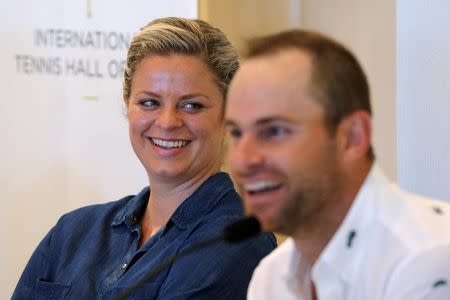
(312,237)
(311,242)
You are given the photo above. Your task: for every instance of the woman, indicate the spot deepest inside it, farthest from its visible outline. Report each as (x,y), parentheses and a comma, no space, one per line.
(176,78)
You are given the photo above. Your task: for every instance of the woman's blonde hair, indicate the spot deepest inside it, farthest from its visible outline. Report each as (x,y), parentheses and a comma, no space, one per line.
(174,35)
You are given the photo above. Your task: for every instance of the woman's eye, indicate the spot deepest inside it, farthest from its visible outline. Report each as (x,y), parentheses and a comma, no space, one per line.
(192,106)
(149,103)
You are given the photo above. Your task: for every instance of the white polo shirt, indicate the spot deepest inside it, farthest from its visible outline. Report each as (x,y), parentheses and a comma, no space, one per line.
(392,245)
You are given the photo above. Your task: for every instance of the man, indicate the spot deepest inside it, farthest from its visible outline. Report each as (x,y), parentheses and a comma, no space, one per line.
(299,121)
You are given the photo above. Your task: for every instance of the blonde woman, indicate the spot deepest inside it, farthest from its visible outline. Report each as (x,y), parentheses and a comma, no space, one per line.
(176,78)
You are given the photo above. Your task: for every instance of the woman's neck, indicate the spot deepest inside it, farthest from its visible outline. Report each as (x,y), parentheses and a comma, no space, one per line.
(165,197)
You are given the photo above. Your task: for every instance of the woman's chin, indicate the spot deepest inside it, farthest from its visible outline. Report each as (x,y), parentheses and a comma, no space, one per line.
(167,173)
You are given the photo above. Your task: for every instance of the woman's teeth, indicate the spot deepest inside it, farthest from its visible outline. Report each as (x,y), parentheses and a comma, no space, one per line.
(169,144)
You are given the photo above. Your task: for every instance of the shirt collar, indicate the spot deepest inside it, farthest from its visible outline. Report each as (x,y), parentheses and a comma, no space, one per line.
(289,270)
(202,200)
(133,210)
(296,271)
(343,254)
(195,206)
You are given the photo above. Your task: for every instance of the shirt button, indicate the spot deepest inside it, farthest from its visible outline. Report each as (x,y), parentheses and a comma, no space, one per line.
(132,220)
(438,210)
(350,238)
(124,266)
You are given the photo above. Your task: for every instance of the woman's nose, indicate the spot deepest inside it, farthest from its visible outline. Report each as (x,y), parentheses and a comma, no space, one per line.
(168,118)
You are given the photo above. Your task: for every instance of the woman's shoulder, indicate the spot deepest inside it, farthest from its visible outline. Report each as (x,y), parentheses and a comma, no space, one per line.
(105,212)
(97,209)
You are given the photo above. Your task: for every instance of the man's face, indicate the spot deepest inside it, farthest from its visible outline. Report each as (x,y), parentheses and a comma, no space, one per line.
(281,156)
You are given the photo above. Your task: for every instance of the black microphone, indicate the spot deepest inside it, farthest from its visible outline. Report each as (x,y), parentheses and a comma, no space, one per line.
(236,232)
(241,229)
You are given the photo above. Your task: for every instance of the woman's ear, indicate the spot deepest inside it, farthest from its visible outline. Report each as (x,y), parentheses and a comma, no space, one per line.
(354,135)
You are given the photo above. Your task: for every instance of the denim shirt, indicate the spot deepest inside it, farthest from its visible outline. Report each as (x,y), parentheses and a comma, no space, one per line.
(94,253)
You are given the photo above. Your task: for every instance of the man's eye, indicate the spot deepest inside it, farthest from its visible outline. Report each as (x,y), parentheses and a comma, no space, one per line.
(274,131)
(234,133)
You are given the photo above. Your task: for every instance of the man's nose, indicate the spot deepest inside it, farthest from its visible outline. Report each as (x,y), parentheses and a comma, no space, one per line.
(245,155)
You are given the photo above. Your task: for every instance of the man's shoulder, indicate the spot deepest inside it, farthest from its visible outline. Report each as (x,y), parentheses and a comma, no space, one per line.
(410,237)
(415,220)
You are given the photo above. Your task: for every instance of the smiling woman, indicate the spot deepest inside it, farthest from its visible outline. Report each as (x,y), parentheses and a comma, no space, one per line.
(176,78)
(175,113)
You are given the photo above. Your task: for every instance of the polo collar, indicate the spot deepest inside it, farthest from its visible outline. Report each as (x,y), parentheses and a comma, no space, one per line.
(342,257)
(344,253)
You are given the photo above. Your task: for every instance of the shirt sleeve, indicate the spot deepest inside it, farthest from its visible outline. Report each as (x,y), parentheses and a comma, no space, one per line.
(219,271)
(423,276)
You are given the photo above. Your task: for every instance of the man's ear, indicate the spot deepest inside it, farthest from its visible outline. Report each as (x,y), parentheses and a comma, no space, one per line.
(354,134)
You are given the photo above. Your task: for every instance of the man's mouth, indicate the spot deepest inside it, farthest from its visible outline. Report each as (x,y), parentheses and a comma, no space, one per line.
(261,187)
(172,144)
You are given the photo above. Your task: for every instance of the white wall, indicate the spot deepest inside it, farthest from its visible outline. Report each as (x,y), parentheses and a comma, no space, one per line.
(64,136)
(368,29)
(404,47)
(423,97)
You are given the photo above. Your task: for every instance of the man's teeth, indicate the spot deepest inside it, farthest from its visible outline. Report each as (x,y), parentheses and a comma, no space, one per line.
(261,186)
(169,144)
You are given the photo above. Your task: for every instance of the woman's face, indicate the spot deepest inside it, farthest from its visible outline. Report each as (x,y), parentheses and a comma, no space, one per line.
(175,115)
